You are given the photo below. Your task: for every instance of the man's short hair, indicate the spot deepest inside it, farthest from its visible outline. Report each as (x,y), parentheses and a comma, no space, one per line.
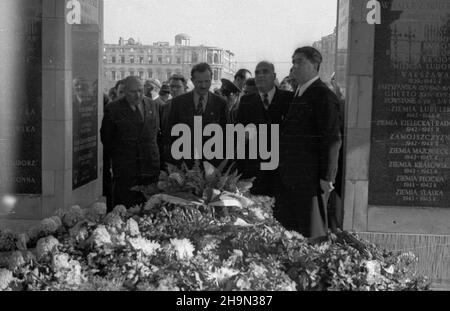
(202,67)
(130,79)
(120,82)
(312,54)
(178,77)
(250,82)
(265,62)
(241,73)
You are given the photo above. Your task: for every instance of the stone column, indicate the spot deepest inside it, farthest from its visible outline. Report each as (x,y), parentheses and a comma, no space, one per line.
(40,132)
(397,171)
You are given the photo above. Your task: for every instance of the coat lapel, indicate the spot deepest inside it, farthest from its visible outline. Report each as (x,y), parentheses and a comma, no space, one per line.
(128,113)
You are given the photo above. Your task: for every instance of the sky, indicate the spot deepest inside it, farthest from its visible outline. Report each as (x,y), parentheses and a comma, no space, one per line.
(254,30)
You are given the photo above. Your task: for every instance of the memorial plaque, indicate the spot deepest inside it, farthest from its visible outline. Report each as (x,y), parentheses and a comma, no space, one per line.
(85,42)
(410,140)
(21,113)
(343,23)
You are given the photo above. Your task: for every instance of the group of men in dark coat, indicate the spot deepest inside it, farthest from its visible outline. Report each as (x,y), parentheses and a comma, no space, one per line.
(309,142)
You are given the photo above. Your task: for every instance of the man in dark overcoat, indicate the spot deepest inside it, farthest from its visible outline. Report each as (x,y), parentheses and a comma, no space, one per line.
(129,135)
(309,149)
(199,102)
(269,106)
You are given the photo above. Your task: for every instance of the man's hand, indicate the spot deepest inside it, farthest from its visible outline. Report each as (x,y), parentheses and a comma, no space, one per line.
(326,186)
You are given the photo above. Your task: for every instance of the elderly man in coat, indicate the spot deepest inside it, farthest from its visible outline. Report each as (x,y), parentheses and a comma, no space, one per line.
(310,138)
(129,134)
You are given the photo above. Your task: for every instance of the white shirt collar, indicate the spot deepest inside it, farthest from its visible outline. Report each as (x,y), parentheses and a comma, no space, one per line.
(270,94)
(302,89)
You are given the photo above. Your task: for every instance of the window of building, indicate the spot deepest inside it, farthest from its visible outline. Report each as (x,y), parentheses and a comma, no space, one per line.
(131,59)
(169,74)
(122,50)
(105,60)
(122,59)
(168,60)
(113,75)
(216,58)
(131,72)
(194,57)
(209,57)
(150,60)
(131,50)
(216,74)
(141,59)
(122,74)
(113,59)
(141,74)
(178,60)
(150,73)
(160,60)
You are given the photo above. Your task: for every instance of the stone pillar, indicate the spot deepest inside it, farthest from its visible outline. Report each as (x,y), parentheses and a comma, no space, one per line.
(397,163)
(40,42)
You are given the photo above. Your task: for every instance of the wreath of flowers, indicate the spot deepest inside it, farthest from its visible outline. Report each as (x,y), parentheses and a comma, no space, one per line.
(200,230)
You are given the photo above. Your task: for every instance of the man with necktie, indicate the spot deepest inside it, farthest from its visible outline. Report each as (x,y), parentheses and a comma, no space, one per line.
(267,106)
(129,135)
(199,102)
(310,138)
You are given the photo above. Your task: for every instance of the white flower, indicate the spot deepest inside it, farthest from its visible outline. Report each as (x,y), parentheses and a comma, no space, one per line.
(45,246)
(60,261)
(22,241)
(71,216)
(50,225)
(243,284)
(113,220)
(148,247)
(132,227)
(6,278)
(183,248)
(100,236)
(16,260)
(96,212)
(152,202)
(74,276)
(118,239)
(390,269)
(167,285)
(293,235)
(238,253)
(67,271)
(373,270)
(120,210)
(257,270)
(241,223)
(222,274)
(258,213)
(79,232)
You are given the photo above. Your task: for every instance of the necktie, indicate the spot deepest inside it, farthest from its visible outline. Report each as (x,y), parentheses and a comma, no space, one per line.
(199,109)
(266,101)
(138,112)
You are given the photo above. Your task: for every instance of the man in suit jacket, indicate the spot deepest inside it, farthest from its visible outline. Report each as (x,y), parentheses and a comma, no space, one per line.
(129,134)
(178,87)
(199,102)
(268,106)
(309,149)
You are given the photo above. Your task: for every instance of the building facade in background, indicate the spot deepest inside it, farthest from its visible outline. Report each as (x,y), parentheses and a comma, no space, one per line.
(161,60)
(327,47)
